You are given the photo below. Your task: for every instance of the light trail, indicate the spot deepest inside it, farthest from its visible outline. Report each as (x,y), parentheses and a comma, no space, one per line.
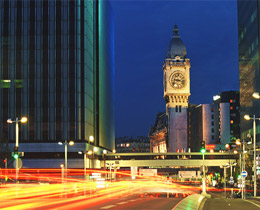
(47,188)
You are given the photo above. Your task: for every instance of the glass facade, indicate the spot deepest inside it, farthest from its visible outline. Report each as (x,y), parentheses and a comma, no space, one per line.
(249,78)
(57,68)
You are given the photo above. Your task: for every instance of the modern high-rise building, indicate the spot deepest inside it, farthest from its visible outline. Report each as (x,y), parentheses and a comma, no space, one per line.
(57,69)
(249,64)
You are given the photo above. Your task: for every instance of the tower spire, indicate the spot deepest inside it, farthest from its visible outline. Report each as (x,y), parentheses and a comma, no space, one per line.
(175,31)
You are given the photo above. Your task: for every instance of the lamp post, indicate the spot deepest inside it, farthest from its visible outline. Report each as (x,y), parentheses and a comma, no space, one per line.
(104,158)
(66,151)
(16,121)
(85,161)
(89,153)
(247,117)
(95,149)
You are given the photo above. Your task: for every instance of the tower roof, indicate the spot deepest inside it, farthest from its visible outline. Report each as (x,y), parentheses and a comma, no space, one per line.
(176,46)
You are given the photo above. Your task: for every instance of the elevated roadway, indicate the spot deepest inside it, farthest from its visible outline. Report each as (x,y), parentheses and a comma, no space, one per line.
(193,159)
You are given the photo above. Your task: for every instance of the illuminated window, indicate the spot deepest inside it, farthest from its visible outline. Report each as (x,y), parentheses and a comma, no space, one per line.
(231,121)
(231,108)
(5,83)
(231,101)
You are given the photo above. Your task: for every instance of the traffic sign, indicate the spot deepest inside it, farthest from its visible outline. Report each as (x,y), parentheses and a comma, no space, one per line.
(244,174)
(231,181)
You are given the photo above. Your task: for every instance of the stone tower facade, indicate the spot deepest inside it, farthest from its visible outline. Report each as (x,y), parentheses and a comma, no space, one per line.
(176,70)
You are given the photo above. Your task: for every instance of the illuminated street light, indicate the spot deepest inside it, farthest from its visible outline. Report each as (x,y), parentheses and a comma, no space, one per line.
(104,158)
(71,143)
(66,150)
(247,117)
(238,142)
(256,95)
(16,153)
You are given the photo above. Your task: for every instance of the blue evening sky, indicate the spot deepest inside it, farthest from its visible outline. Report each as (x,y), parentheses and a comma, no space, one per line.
(143,30)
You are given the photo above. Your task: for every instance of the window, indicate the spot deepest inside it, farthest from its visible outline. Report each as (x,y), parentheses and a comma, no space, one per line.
(212,116)
(231,121)
(212,130)
(231,101)
(212,137)
(231,108)
(178,108)
(212,123)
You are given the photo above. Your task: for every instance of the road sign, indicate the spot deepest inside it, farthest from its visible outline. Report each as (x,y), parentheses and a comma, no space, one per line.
(244,174)
(231,181)
(210,146)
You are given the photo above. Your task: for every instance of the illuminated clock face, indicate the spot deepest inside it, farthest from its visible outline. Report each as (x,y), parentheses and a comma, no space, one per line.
(177,80)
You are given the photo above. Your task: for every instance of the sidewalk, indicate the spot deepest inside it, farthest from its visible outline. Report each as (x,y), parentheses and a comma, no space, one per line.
(230,204)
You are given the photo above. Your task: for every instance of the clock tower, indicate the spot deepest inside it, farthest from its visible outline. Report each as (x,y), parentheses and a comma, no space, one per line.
(176,71)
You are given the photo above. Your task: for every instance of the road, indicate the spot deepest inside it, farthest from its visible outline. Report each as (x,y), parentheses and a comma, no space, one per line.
(138,203)
(74,193)
(126,203)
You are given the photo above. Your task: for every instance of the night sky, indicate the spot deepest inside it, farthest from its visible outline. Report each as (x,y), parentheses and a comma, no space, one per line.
(143,30)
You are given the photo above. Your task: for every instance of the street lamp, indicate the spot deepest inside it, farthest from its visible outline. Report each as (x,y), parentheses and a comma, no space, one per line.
(256,95)
(89,153)
(104,158)
(95,149)
(85,161)
(247,117)
(66,143)
(16,154)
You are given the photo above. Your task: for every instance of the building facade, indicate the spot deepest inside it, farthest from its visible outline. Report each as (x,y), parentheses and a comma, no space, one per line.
(249,64)
(132,144)
(215,123)
(57,69)
(228,116)
(158,134)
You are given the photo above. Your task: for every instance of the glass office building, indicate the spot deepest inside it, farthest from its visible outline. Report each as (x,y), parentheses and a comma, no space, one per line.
(249,65)
(57,68)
